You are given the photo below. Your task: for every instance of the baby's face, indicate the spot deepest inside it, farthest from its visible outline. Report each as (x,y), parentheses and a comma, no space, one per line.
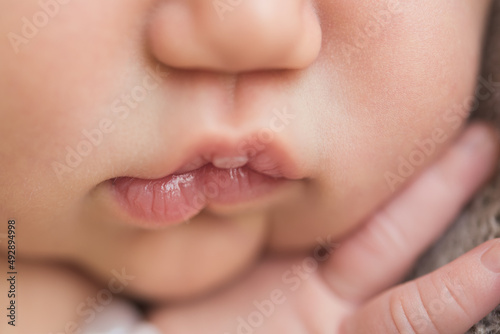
(266,124)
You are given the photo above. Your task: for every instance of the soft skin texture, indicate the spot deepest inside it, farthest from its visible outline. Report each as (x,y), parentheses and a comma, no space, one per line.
(359,104)
(346,289)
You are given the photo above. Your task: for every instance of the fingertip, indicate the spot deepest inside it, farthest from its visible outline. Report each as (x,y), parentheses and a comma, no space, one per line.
(481,137)
(449,300)
(472,161)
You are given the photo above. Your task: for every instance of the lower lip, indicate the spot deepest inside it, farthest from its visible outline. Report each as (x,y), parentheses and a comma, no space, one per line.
(177,198)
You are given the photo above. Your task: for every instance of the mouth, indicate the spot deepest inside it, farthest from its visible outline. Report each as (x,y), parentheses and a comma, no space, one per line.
(221,181)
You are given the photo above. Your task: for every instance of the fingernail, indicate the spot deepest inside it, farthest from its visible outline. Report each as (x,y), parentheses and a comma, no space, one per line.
(145,328)
(491,258)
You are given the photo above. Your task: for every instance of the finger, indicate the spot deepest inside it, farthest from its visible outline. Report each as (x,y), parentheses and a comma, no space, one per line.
(380,254)
(449,300)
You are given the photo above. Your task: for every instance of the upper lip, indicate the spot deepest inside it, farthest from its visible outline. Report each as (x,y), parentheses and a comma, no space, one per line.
(273,159)
(270,160)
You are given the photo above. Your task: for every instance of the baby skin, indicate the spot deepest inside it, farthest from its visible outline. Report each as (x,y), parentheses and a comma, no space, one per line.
(243,166)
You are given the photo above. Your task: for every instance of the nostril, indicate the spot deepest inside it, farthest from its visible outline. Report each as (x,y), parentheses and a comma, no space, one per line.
(254,35)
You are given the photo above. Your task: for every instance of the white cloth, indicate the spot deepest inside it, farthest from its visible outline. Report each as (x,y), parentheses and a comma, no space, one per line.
(119,317)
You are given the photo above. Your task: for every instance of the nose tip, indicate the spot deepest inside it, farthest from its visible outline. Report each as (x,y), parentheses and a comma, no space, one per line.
(235,35)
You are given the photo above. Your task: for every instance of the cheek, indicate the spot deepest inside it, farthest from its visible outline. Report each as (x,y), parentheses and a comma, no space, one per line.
(59,81)
(410,73)
(408,85)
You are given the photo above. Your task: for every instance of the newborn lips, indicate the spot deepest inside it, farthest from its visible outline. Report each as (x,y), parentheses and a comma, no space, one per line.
(178,197)
(216,177)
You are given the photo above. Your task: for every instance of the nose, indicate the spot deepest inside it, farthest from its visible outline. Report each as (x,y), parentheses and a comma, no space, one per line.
(235,35)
